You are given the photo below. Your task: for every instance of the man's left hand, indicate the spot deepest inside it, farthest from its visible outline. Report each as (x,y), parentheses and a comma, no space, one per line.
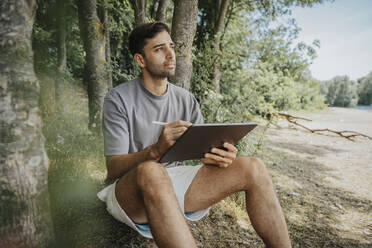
(220,157)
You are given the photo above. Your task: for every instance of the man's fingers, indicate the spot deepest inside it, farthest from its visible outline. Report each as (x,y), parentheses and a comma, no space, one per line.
(178,124)
(223,153)
(230,147)
(209,161)
(218,158)
(178,130)
(176,136)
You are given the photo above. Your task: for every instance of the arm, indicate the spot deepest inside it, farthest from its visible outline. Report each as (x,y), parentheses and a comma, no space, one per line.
(118,165)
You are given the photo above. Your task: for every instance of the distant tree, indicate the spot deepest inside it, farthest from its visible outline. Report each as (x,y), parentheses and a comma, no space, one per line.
(62,56)
(103,8)
(139,7)
(162,10)
(342,92)
(95,74)
(24,206)
(365,90)
(218,32)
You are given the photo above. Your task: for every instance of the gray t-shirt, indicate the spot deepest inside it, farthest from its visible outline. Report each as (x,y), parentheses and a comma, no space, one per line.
(129,110)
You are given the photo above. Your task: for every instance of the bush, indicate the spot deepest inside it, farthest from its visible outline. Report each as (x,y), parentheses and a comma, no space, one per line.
(365,90)
(340,92)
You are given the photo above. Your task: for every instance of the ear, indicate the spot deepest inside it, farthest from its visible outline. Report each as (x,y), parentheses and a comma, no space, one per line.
(140,60)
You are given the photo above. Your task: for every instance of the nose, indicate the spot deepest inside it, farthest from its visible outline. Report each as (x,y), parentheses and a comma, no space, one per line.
(170,53)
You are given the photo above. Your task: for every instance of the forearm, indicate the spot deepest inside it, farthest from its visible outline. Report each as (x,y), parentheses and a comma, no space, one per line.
(117,166)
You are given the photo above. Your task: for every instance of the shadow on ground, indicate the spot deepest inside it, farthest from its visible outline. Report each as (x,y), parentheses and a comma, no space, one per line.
(315,203)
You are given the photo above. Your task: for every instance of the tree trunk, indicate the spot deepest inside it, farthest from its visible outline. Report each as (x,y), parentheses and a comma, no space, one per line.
(24,206)
(94,40)
(61,66)
(106,26)
(218,31)
(183,32)
(162,11)
(139,7)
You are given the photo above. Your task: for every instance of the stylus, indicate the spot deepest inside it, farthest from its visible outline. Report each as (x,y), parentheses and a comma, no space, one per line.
(159,123)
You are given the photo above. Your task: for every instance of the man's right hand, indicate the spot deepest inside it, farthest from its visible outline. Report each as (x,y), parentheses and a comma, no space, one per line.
(171,132)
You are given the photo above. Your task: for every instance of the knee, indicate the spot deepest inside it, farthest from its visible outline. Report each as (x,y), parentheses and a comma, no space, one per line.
(254,170)
(151,177)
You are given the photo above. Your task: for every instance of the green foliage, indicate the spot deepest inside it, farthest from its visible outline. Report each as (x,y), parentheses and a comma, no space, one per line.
(262,72)
(365,90)
(44,38)
(341,92)
(121,24)
(75,50)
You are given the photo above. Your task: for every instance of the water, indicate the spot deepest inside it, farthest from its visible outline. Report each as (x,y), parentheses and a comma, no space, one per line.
(361,107)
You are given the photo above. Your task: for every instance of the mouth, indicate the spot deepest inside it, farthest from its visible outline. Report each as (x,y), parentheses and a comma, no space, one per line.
(170,65)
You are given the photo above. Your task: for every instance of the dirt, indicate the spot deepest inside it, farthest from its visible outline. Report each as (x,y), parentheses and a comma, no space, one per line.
(324,181)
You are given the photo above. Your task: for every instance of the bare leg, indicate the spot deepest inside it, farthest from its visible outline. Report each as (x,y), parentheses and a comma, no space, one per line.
(213,184)
(146,194)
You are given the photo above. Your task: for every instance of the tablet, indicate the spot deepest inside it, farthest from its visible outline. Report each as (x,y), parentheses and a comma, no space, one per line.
(199,139)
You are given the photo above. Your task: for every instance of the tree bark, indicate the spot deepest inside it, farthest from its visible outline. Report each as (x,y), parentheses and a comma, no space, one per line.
(139,7)
(106,26)
(183,32)
(162,11)
(24,201)
(61,66)
(218,31)
(94,40)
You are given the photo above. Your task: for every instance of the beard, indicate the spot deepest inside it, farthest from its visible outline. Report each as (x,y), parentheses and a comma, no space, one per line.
(160,70)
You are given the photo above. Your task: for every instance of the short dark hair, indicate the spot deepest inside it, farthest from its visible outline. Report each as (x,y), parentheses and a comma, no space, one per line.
(138,36)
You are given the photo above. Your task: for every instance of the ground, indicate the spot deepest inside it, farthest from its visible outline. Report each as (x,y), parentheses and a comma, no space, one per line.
(325,180)
(322,182)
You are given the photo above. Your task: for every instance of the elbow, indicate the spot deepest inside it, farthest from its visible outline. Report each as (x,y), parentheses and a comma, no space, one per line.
(110,171)
(115,167)
(111,175)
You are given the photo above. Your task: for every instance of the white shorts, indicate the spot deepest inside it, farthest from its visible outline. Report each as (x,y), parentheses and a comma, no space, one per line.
(181,177)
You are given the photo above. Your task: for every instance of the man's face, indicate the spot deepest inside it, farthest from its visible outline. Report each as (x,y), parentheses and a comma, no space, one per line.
(159,56)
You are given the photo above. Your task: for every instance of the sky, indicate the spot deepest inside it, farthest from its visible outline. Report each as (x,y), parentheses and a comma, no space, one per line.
(344,29)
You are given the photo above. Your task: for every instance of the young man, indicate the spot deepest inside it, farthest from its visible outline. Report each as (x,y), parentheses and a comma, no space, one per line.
(152,198)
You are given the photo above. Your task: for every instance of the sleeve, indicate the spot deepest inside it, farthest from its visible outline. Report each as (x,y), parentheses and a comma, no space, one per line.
(114,127)
(196,115)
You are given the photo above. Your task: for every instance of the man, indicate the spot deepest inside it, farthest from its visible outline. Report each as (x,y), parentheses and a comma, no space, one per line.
(153,198)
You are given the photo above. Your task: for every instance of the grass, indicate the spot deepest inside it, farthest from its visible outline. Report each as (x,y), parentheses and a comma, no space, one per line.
(77,172)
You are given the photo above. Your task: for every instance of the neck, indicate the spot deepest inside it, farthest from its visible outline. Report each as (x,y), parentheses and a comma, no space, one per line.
(157,86)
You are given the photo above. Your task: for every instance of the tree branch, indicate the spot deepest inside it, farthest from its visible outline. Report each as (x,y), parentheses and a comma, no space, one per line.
(344,133)
(162,10)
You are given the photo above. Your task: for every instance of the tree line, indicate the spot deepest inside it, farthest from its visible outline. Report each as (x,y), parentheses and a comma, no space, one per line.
(234,55)
(341,91)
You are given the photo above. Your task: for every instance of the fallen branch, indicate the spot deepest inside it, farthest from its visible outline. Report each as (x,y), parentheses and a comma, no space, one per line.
(294,117)
(345,133)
